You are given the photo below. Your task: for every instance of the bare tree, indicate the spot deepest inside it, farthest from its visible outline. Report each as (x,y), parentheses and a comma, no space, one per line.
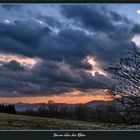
(126,74)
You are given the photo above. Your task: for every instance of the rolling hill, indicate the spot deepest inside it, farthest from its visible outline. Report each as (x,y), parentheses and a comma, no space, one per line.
(93,104)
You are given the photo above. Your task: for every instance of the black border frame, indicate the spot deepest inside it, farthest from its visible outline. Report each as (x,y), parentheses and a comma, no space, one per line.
(69,1)
(89,135)
(48,134)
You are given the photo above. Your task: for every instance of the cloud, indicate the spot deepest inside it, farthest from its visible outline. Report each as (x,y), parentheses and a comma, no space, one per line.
(95,20)
(13,65)
(51,21)
(61,67)
(46,78)
(99,21)
(138,11)
(10,7)
(22,32)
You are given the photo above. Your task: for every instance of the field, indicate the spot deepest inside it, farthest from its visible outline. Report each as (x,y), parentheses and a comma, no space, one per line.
(21,122)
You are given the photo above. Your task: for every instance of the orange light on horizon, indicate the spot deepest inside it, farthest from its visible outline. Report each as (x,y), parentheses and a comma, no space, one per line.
(56,99)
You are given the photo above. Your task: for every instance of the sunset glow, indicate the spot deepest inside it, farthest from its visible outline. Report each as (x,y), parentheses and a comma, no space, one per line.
(71,97)
(95,66)
(56,99)
(136,39)
(25,61)
(6,21)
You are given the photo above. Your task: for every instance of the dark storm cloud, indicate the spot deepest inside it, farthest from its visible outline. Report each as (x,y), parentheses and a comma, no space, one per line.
(69,46)
(13,65)
(37,41)
(110,37)
(118,18)
(89,31)
(115,16)
(10,7)
(50,21)
(22,32)
(46,78)
(90,17)
(136,29)
(100,21)
(21,37)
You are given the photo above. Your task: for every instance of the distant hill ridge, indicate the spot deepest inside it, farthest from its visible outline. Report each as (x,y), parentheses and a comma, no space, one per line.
(35,106)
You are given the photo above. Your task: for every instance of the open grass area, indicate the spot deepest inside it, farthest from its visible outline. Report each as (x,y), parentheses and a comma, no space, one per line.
(20,122)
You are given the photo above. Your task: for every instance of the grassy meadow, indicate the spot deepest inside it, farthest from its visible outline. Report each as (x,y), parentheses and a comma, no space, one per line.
(21,122)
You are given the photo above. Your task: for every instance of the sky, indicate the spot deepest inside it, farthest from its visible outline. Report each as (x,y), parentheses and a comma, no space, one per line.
(61,52)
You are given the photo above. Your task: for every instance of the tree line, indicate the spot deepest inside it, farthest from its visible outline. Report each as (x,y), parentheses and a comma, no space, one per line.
(102,113)
(9,108)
